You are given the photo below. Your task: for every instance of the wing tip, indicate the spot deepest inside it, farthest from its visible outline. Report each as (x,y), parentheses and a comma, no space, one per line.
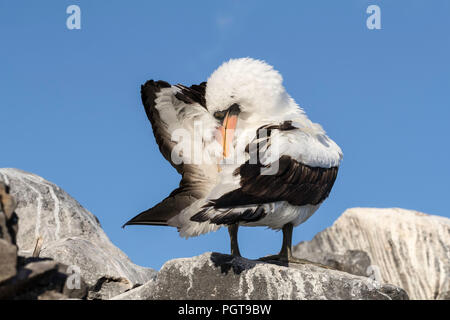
(141,219)
(144,223)
(158,84)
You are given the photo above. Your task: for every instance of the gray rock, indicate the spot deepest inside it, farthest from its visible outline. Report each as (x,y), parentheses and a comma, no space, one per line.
(42,279)
(443,296)
(8,260)
(218,276)
(356,262)
(71,235)
(108,288)
(30,278)
(406,248)
(8,221)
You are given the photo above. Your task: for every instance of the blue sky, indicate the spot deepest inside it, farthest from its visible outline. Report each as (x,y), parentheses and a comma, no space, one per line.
(70,107)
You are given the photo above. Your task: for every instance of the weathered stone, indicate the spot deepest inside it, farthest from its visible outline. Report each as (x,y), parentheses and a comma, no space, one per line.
(42,279)
(52,295)
(356,262)
(406,248)
(8,228)
(7,202)
(107,288)
(8,260)
(443,296)
(218,276)
(71,234)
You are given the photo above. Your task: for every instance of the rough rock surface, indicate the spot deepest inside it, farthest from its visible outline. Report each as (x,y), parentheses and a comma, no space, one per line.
(8,261)
(8,249)
(219,276)
(43,279)
(406,248)
(71,235)
(30,278)
(356,262)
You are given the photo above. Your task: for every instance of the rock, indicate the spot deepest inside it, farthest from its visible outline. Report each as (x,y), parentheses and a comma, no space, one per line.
(406,248)
(355,262)
(219,276)
(39,278)
(144,292)
(8,221)
(443,296)
(107,288)
(8,260)
(71,235)
(32,278)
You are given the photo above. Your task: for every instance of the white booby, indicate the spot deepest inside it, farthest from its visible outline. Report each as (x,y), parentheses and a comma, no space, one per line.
(262,161)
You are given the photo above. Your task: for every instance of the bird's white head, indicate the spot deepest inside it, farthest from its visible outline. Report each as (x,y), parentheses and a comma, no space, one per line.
(253,85)
(246,92)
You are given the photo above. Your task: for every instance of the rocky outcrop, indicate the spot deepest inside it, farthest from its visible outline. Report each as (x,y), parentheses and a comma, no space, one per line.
(219,276)
(406,248)
(70,235)
(8,229)
(30,278)
(53,248)
(356,262)
(43,279)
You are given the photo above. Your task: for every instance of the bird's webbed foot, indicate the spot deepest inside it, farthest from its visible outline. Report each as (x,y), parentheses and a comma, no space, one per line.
(291,259)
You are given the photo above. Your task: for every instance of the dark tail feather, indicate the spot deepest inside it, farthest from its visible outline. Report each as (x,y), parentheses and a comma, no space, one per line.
(229,215)
(160,214)
(147,217)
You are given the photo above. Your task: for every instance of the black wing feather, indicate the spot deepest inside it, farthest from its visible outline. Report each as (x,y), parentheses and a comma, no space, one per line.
(294,182)
(191,187)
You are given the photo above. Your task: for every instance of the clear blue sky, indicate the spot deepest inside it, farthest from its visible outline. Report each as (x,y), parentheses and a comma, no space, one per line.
(71,111)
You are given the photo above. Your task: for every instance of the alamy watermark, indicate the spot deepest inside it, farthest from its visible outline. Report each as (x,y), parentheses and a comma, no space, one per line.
(73,281)
(74,20)
(373,22)
(201,147)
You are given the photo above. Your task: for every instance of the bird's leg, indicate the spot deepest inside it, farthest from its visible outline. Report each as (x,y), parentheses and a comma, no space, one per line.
(285,254)
(286,249)
(233,231)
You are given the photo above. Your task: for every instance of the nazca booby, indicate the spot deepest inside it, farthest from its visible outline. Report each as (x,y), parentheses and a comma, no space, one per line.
(247,153)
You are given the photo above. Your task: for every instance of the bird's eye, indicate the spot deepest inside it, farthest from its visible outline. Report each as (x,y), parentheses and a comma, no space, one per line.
(219,115)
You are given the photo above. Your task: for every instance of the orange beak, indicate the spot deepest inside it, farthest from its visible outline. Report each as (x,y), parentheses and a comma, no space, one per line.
(227,131)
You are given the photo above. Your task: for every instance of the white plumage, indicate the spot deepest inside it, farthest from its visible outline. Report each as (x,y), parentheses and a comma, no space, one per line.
(252,92)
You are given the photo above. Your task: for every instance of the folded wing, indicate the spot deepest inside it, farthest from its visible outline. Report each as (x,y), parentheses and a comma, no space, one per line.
(174,111)
(286,163)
